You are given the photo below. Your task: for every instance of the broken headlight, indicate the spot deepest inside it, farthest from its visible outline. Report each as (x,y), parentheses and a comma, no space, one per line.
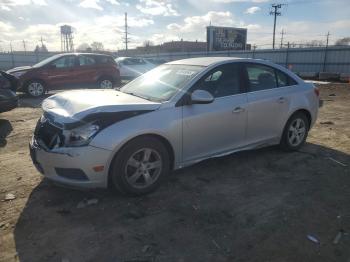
(80,136)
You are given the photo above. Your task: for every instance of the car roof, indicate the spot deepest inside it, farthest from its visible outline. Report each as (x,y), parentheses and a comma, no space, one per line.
(128,57)
(93,54)
(204,61)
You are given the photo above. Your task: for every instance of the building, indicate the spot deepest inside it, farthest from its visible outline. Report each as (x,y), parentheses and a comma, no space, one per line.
(167,47)
(183,46)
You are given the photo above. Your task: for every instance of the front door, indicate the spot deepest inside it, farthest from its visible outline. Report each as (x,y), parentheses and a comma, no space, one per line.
(86,70)
(218,127)
(61,73)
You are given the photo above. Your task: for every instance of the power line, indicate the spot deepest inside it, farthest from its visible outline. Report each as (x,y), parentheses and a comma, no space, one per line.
(275,13)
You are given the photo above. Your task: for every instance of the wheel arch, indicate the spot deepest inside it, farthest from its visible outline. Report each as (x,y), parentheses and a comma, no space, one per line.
(306,112)
(300,110)
(162,139)
(25,85)
(105,76)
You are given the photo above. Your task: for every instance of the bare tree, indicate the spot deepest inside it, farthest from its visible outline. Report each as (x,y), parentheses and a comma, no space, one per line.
(343,41)
(148,43)
(314,43)
(83,47)
(97,46)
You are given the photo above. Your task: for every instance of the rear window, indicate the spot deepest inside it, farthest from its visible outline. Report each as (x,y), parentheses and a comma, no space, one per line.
(283,79)
(261,77)
(104,60)
(86,60)
(133,61)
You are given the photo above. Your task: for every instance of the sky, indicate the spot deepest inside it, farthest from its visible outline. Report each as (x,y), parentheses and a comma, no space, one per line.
(165,20)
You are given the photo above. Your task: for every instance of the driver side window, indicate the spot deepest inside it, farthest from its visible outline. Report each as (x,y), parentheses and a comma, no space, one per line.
(64,62)
(222,81)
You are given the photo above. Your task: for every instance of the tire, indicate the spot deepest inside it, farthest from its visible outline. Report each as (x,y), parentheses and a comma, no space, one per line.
(35,88)
(105,83)
(293,136)
(130,171)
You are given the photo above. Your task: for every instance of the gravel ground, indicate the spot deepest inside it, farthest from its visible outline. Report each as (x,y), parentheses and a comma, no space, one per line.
(256,205)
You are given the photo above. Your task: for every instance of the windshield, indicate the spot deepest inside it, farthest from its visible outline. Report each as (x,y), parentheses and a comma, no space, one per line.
(161,83)
(47,60)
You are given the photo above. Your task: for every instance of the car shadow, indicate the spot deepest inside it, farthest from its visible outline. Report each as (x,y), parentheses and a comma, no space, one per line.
(239,207)
(5,130)
(31,102)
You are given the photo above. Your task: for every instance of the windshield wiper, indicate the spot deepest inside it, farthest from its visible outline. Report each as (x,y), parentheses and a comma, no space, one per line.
(137,95)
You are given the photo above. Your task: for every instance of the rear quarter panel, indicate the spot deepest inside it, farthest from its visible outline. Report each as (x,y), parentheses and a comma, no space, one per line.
(304,97)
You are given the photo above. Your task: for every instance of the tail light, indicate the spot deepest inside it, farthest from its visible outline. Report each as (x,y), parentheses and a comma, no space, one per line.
(317,91)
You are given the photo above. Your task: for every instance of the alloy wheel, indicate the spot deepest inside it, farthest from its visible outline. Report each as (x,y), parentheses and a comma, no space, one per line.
(297,132)
(35,89)
(106,84)
(143,168)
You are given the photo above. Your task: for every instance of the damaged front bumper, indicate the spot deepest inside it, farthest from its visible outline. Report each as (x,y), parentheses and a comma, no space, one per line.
(72,166)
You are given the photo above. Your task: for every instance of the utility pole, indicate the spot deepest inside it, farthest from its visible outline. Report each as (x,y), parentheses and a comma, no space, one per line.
(282,34)
(126,40)
(12,56)
(24,46)
(275,13)
(42,41)
(327,35)
(325,53)
(254,48)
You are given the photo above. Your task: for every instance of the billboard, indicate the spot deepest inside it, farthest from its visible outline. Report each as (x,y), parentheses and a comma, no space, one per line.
(226,38)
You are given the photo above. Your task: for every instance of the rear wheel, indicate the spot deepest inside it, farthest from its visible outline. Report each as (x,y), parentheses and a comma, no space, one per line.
(35,88)
(295,132)
(105,83)
(140,166)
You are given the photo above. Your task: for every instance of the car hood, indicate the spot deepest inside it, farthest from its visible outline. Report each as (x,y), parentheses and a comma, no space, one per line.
(80,105)
(18,69)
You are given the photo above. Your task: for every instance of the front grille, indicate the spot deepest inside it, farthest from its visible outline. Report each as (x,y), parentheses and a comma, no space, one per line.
(48,133)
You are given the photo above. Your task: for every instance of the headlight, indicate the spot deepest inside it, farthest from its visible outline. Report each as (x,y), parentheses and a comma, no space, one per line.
(18,74)
(80,136)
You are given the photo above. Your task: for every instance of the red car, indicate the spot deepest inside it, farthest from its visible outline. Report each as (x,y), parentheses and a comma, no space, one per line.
(66,71)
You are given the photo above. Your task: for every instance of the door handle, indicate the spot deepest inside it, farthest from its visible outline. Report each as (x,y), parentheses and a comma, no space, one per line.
(281,100)
(238,110)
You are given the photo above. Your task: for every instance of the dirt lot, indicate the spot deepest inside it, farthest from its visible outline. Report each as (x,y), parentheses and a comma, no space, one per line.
(251,206)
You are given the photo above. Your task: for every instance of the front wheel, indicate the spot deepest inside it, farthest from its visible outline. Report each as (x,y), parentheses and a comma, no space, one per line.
(140,166)
(35,88)
(295,132)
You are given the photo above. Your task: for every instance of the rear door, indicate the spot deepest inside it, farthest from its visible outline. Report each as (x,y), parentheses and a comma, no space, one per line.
(220,126)
(61,73)
(268,103)
(87,69)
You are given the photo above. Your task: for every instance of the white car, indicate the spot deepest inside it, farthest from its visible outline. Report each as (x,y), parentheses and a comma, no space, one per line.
(176,115)
(132,67)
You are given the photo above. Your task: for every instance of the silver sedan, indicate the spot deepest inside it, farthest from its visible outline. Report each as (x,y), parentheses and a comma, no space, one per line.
(173,116)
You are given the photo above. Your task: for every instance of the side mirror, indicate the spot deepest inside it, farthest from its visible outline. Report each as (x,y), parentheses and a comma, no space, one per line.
(201,97)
